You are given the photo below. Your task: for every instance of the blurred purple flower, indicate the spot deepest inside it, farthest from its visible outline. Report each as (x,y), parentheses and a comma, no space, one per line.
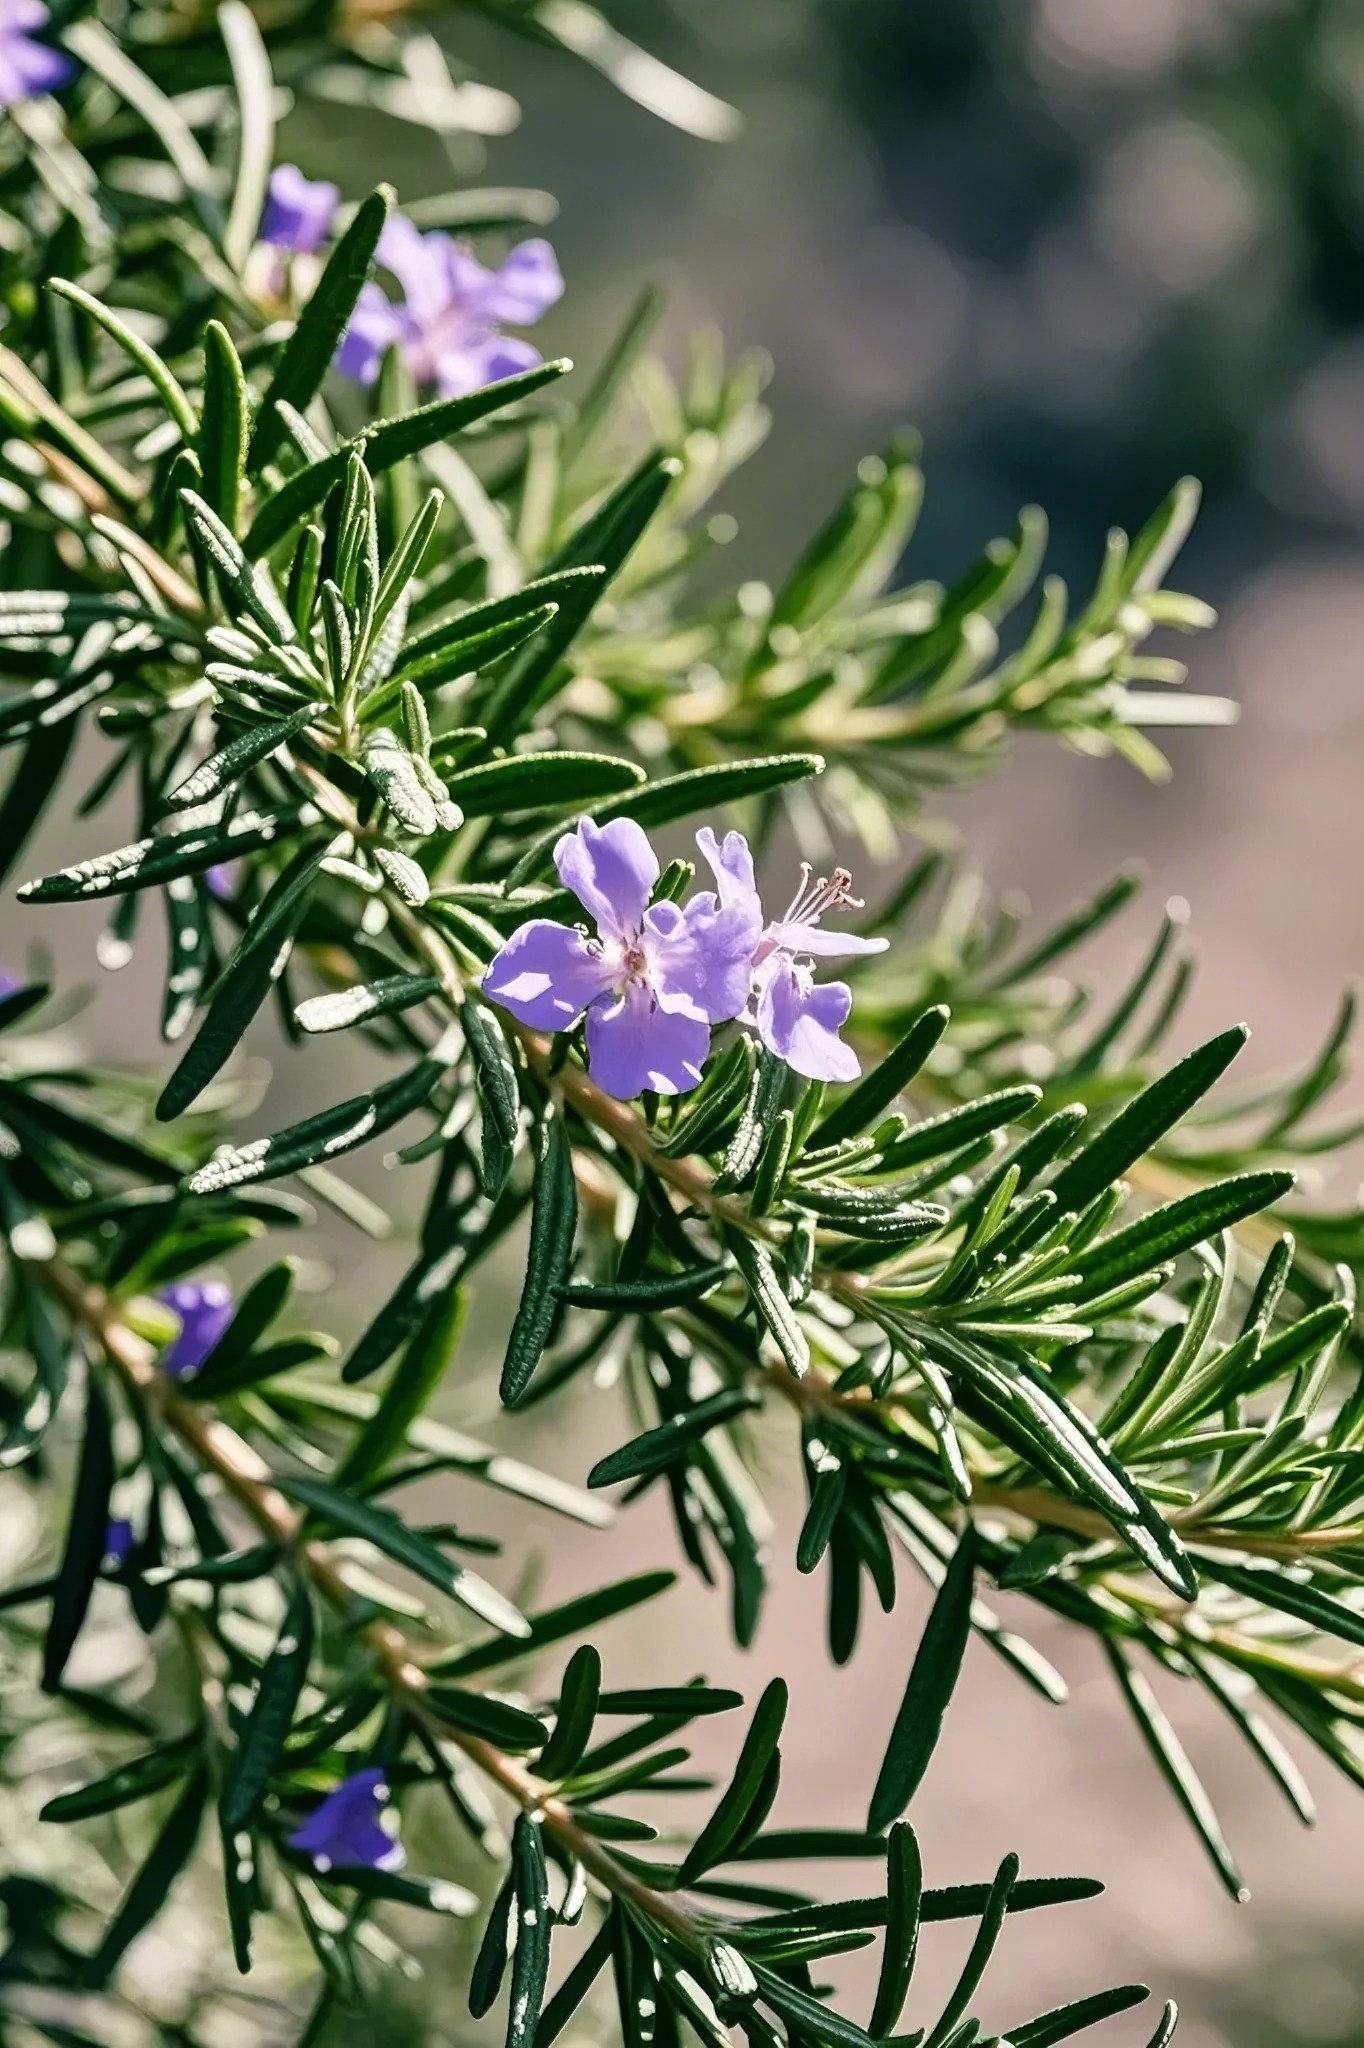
(205,1310)
(299,211)
(652,981)
(796,1017)
(447,323)
(348,1827)
(27,67)
(8,983)
(118,1542)
(222,880)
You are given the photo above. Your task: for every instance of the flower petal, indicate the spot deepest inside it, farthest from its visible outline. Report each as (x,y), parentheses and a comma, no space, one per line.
(547,974)
(638,1041)
(374,327)
(821,945)
(525,287)
(484,360)
(422,265)
(799,1020)
(347,1829)
(298,211)
(733,867)
(611,869)
(205,1310)
(702,952)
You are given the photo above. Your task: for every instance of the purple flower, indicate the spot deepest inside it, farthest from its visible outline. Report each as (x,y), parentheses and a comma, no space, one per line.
(222,880)
(9,983)
(447,322)
(652,980)
(205,1310)
(348,1827)
(118,1543)
(299,211)
(796,1017)
(27,67)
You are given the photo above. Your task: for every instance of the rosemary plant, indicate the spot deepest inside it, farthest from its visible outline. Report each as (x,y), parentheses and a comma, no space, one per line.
(401,646)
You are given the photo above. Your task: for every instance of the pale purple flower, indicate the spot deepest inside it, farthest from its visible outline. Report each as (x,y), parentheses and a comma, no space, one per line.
(205,1310)
(222,880)
(118,1543)
(447,323)
(27,67)
(299,211)
(652,980)
(795,1016)
(348,1827)
(10,984)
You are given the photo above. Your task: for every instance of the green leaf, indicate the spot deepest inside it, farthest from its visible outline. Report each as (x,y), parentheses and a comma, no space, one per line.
(137,1779)
(807,2015)
(390,1534)
(261,957)
(932,1680)
(1176,1769)
(307,355)
(682,796)
(1176,1227)
(658,1448)
(139,352)
(485,1978)
(161,859)
(764,1098)
(37,777)
(234,760)
(579,1694)
(576,1985)
(555,1624)
(147,1894)
(322,1137)
(554,1219)
(904,1896)
(563,780)
(254,1314)
(260,1745)
(492,1720)
(92,43)
(454,646)
(499,1094)
(645,1297)
(768,1291)
(415,1378)
(254,90)
(982,1948)
(1065,2020)
(464,655)
(606,538)
(1275,1587)
(760,1753)
(349,1006)
(85,1536)
(534,1923)
(385,443)
(1129,1135)
(247,584)
(877,1089)
(936,1136)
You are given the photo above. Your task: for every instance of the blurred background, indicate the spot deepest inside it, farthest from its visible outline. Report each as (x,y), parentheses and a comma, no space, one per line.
(1085,246)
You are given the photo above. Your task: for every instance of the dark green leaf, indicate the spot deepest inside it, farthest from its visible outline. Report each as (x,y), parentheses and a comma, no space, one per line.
(387,1532)
(1176,1769)
(261,957)
(499,1093)
(162,859)
(530,1958)
(322,1137)
(307,355)
(554,1218)
(932,1680)
(147,1894)
(879,1087)
(1065,2020)
(904,1896)
(385,443)
(557,1623)
(579,1694)
(260,1745)
(1129,1135)
(540,782)
(1177,1227)
(414,1381)
(662,1446)
(137,1779)
(85,1536)
(760,1753)
(234,760)
(358,1005)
